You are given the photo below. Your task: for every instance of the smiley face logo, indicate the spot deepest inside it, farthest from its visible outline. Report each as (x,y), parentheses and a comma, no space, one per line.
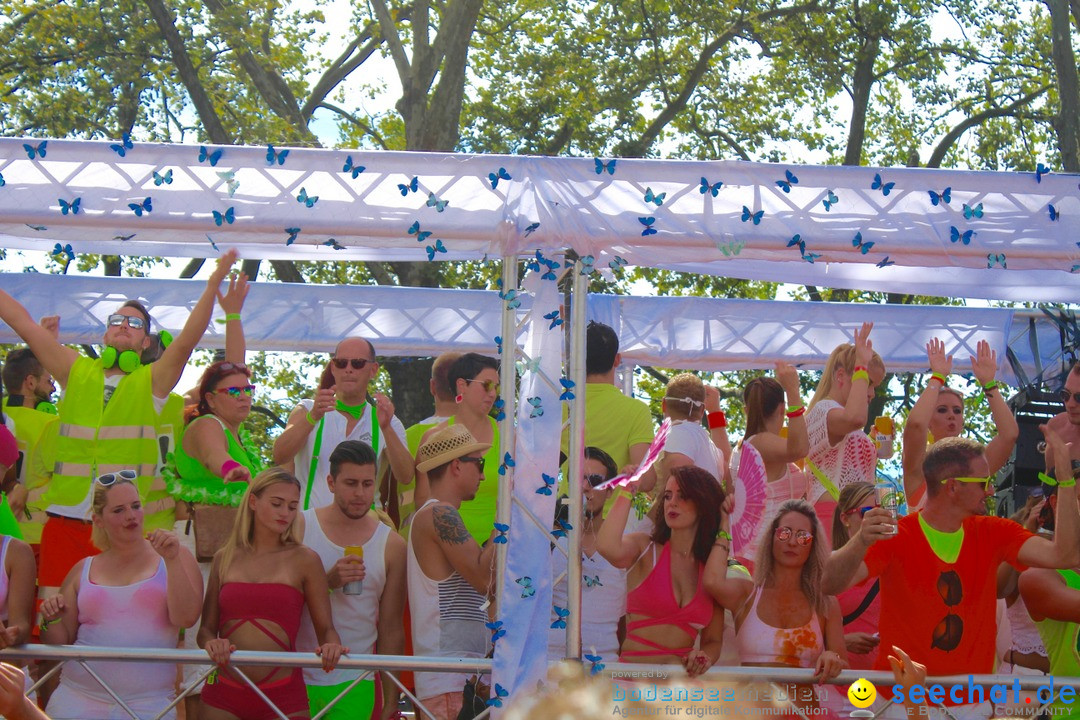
(861,693)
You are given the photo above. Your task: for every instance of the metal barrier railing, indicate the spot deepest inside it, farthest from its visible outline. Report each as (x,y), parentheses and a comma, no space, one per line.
(387,664)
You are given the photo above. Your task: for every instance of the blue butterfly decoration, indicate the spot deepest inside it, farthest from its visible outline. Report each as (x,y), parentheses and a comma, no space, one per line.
(123,238)
(973,212)
(72,207)
(797,241)
(438,247)
(1040,170)
(500,693)
(1054,214)
(332,242)
(957,236)
(537,407)
(588,265)
(533,227)
(495,177)
(124,146)
(498,343)
(293,234)
(502,529)
(500,408)
(597,666)
(275,156)
(39,228)
(36,151)
(305,199)
(999,259)
(563,528)
(592,581)
(648,223)
(139,208)
(412,186)
(810,257)
(707,187)
(421,235)
(3,182)
(884,187)
(64,250)
(528,365)
(1075,268)
(886,262)
(601,166)
(651,197)
(213,244)
(497,630)
(945,196)
(857,242)
(830,200)
(527,589)
(731,249)
(567,386)
(549,484)
(617,263)
(754,217)
(229,176)
(789,180)
(553,316)
(508,462)
(561,614)
(213,157)
(229,216)
(165,179)
(349,167)
(512,298)
(433,201)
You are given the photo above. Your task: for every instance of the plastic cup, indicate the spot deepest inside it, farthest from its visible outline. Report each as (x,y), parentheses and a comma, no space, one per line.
(886,496)
(356,586)
(885,425)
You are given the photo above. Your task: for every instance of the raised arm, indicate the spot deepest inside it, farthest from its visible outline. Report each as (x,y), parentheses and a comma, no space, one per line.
(391,629)
(1064,551)
(232,302)
(619,548)
(170,365)
(401,460)
(472,562)
(917,426)
(301,424)
(183,582)
(999,449)
(53,356)
(852,416)
(845,566)
(728,592)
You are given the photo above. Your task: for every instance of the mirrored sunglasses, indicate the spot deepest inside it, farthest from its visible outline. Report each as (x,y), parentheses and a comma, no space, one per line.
(135,323)
(237,390)
(802,537)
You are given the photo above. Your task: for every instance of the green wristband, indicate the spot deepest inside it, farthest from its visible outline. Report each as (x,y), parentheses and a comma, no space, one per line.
(724,534)
(232,316)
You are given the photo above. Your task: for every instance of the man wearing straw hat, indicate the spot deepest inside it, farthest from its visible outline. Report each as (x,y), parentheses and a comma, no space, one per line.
(449,575)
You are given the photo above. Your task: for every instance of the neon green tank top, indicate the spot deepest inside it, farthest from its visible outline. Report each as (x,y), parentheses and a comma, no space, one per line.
(187,478)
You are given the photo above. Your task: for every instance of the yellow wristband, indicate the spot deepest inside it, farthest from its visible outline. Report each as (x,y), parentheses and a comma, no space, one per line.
(860,375)
(623,492)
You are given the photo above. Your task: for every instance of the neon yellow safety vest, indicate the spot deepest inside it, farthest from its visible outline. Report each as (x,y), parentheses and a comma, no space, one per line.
(29,425)
(95,438)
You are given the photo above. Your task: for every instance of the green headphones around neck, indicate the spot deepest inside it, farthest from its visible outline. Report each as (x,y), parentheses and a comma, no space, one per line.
(128,360)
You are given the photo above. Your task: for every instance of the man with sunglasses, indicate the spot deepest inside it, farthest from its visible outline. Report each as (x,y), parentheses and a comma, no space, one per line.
(1067,424)
(109,417)
(341,410)
(938,571)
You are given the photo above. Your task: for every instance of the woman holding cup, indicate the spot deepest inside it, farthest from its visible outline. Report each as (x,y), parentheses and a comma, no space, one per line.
(939,413)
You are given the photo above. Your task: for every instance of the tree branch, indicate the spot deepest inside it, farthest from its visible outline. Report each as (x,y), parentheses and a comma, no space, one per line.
(358,122)
(975,120)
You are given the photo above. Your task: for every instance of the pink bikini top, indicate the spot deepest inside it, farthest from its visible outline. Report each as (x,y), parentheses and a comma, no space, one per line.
(654,599)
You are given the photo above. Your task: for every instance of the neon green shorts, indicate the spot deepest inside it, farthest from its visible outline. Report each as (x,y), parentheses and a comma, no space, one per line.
(357,705)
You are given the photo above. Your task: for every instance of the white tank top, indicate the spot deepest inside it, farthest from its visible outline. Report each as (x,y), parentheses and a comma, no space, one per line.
(447,621)
(356,617)
(4,579)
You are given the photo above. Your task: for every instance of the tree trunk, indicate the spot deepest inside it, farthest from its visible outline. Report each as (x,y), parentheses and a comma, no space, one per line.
(1067,122)
(409,388)
(862,84)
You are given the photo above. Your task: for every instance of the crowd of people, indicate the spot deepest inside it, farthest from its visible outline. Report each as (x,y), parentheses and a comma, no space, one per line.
(134,517)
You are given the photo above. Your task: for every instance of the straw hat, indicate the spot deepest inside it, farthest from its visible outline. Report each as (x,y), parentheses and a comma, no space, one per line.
(450,443)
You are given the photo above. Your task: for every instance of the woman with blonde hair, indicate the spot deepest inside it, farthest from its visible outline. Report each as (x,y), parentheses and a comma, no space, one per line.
(260,581)
(840,452)
(782,618)
(138,592)
(860,604)
(939,413)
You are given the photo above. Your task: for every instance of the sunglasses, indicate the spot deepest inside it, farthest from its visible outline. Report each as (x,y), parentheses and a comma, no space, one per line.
(357,363)
(595,479)
(986,481)
(948,633)
(135,323)
(802,537)
(230,367)
(478,460)
(237,390)
(1067,395)
(488,385)
(110,478)
(861,510)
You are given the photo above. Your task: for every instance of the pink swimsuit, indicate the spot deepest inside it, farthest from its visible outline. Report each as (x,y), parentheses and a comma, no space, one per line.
(655,599)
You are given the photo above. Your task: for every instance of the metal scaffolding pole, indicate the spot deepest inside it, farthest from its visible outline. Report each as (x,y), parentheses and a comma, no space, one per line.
(576,450)
(508,393)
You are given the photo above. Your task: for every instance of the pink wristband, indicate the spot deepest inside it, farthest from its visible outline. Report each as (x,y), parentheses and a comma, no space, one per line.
(228,466)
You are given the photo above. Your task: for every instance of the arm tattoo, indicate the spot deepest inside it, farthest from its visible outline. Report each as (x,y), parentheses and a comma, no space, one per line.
(448,525)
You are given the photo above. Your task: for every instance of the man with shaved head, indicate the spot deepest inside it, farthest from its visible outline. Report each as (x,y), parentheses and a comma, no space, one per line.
(341,410)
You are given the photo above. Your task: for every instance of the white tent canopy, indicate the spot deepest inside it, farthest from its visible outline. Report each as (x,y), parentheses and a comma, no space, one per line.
(876,229)
(690,332)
